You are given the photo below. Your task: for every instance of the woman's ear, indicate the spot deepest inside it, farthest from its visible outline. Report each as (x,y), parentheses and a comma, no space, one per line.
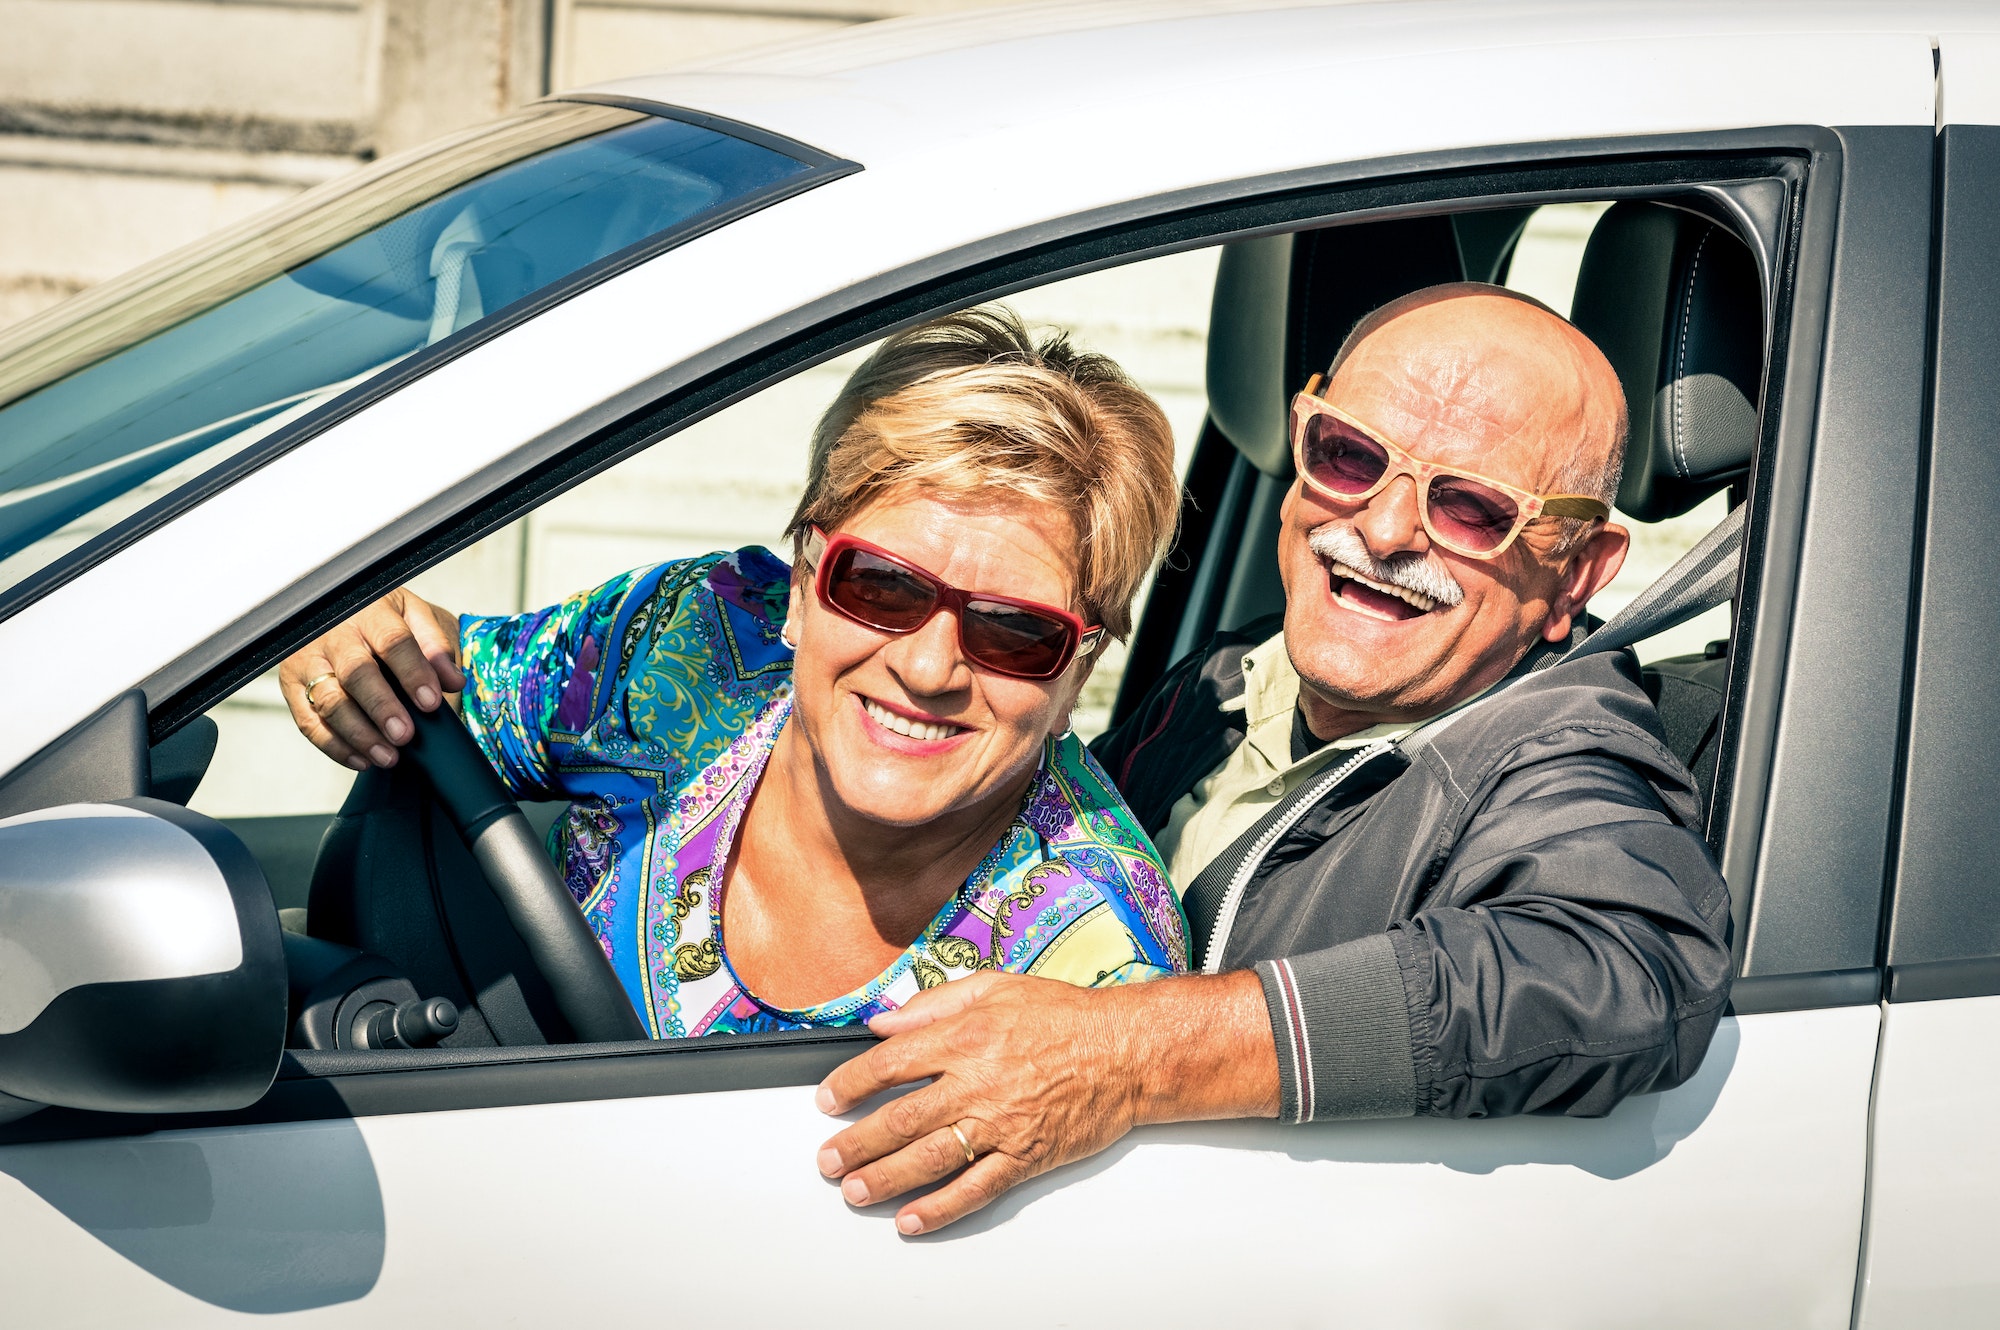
(795,613)
(1074,680)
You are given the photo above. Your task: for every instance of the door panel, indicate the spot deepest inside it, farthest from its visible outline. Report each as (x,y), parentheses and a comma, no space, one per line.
(1931,1230)
(1733,1200)
(1935,1165)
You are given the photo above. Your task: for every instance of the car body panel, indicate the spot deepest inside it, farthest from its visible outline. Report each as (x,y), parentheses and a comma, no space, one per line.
(1936,1157)
(1934,1164)
(706,1208)
(1114,88)
(1736,1199)
(1968,62)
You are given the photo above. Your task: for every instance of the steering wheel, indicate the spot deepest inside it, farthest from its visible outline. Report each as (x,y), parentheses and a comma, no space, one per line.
(516,867)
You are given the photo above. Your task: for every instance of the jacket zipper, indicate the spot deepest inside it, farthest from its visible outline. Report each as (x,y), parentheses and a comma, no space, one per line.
(1239,881)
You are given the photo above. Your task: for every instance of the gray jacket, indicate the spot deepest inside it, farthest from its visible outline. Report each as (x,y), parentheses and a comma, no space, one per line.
(1520,917)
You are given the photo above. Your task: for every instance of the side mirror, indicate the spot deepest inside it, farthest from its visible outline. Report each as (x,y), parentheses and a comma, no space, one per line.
(141,965)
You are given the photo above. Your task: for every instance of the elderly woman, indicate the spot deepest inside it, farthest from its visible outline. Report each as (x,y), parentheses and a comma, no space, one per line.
(798,795)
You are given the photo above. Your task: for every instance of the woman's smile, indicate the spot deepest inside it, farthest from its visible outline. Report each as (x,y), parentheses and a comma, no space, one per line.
(908,731)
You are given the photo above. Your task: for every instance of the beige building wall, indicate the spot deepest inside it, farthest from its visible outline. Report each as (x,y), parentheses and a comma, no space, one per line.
(130,127)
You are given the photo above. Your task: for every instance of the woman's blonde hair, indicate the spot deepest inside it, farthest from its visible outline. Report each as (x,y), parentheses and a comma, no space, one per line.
(972,402)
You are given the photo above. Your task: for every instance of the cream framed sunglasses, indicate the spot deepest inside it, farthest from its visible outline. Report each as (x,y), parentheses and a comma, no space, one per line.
(1463,511)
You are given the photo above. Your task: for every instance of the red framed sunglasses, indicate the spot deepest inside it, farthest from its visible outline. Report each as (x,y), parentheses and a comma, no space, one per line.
(1023,639)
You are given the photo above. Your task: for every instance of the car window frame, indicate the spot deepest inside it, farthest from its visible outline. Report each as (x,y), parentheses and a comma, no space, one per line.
(820,168)
(317,1084)
(1939,941)
(1818,842)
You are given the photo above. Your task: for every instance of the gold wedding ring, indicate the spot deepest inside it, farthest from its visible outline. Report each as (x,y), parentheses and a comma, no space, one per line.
(964,1145)
(313,683)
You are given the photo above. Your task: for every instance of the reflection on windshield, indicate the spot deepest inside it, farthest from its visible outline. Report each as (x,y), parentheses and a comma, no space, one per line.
(148,411)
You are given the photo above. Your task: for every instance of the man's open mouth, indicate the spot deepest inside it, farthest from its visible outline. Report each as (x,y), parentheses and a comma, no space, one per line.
(1377,600)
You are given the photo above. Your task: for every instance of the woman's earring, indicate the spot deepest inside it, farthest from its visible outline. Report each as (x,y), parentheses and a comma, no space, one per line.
(785,636)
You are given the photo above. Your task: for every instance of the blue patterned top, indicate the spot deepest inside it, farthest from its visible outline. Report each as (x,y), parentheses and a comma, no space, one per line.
(652,703)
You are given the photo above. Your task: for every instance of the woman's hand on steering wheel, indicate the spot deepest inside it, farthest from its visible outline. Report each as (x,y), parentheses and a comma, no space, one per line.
(335,689)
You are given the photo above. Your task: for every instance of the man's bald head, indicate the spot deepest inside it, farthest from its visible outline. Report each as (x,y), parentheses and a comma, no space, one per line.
(1505,357)
(1380,622)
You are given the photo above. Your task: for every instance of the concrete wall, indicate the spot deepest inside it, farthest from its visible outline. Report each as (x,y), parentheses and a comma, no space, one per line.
(130,127)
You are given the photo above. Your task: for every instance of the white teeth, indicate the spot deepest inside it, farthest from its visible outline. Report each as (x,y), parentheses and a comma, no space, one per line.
(913,729)
(1416,598)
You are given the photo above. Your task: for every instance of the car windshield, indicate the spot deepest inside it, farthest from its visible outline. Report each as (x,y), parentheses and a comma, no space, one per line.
(115,397)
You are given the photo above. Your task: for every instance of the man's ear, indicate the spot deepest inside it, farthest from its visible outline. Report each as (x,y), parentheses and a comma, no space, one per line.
(1590,568)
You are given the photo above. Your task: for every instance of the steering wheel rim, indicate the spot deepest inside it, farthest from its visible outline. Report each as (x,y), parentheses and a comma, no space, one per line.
(510,856)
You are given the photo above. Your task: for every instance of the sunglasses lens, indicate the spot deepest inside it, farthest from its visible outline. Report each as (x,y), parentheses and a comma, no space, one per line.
(1339,458)
(1014,640)
(881,594)
(1470,514)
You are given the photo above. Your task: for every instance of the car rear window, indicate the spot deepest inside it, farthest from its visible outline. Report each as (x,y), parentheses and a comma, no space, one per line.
(126,391)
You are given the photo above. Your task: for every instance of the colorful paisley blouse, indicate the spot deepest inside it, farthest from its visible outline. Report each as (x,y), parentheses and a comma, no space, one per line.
(651,705)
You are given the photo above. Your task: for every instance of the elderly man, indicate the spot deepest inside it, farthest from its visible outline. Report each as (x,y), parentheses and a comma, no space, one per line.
(1424,876)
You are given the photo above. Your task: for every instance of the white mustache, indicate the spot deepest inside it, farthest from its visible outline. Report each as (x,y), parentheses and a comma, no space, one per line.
(1339,542)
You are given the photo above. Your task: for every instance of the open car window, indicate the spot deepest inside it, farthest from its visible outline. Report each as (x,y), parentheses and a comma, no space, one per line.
(732,480)
(725,482)
(712,471)
(109,400)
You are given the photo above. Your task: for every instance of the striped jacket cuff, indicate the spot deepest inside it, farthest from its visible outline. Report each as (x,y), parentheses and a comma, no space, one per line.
(1343,1033)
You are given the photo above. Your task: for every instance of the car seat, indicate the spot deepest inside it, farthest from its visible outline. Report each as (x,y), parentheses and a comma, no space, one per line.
(1282,305)
(1674,301)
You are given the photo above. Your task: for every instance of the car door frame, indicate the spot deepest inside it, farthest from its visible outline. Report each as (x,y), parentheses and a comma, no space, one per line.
(1935,1156)
(1808,285)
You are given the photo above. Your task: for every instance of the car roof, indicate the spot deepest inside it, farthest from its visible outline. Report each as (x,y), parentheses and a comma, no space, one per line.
(908,86)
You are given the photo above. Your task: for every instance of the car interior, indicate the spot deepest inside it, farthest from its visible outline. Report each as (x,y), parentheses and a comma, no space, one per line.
(388,910)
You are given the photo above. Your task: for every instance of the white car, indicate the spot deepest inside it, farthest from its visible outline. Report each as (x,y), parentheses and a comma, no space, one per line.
(206,463)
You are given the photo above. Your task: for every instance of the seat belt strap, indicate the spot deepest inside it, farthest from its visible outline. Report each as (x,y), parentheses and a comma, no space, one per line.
(1700,580)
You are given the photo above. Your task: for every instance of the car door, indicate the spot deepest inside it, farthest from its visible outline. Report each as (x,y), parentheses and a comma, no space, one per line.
(1926,1256)
(571,1183)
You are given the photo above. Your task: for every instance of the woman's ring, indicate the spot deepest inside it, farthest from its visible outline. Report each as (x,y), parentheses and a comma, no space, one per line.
(313,683)
(964,1145)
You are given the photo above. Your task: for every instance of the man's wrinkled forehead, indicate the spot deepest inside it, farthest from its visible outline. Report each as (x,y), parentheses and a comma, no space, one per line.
(1464,374)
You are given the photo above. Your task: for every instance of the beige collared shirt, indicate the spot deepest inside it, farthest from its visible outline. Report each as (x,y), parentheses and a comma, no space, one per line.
(1260,772)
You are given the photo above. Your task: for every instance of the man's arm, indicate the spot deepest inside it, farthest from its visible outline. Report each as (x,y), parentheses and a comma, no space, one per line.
(1590,962)
(1036,1073)
(1613,914)
(1577,954)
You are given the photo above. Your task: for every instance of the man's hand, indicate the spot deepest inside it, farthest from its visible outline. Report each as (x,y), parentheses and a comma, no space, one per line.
(335,689)
(1035,1073)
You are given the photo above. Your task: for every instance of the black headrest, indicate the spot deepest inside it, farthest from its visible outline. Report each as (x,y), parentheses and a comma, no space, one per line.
(1283,304)
(1674,302)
